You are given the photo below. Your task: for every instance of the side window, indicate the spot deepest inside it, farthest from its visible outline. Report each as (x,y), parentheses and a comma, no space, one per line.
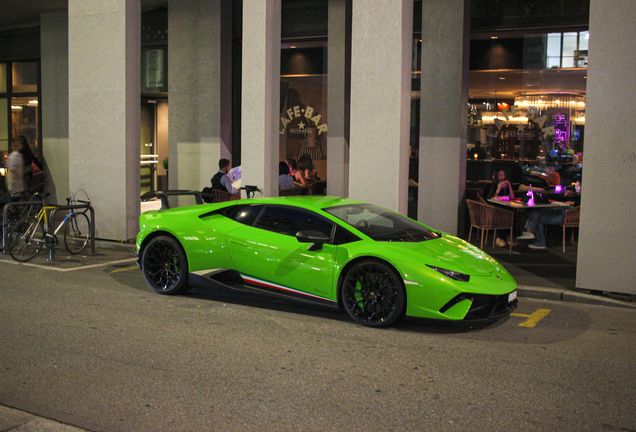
(245,214)
(289,220)
(344,236)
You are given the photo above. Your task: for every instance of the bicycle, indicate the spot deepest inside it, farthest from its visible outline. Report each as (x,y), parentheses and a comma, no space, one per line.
(28,236)
(16,213)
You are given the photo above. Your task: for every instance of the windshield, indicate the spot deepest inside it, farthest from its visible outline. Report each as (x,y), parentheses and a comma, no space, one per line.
(381,224)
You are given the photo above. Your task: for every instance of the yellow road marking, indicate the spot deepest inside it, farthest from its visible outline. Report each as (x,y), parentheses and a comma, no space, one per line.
(533,318)
(125,269)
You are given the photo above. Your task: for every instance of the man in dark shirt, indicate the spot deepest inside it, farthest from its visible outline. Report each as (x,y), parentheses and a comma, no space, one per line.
(220,180)
(548,216)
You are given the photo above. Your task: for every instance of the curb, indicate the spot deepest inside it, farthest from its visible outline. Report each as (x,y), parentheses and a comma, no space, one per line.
(21,421)
(559,294)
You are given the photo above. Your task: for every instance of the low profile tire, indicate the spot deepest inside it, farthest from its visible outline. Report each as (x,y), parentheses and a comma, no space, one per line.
(373,294)
(165,266)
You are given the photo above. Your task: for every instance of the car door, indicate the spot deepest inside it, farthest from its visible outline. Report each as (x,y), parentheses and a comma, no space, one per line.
(267,252)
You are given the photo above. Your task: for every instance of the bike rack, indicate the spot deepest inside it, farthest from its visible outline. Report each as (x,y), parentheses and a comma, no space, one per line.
(5,221)
(73,207)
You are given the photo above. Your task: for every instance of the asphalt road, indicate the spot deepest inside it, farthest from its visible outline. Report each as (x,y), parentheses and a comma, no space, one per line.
(95,348)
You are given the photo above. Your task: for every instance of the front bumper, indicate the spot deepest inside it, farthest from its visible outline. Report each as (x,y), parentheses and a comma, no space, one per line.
(483,306)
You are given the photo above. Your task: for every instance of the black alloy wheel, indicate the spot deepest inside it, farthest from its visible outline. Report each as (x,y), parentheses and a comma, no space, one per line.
(373,294)
(165,266)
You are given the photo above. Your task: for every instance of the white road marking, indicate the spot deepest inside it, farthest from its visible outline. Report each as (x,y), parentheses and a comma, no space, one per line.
(64,270)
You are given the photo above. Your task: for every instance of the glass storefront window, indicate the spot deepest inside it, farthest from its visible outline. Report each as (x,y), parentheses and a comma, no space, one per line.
(24,119)
(24,77)
(584,39)
(570,46)
(525,120)
(554,50)
(154,71)
(567,50)
(303,118)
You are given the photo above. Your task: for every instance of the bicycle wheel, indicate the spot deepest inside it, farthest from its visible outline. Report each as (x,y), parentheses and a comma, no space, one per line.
(76,233)
(26,239)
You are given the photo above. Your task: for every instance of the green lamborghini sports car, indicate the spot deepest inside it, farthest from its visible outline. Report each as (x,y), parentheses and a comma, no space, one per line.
(375,264)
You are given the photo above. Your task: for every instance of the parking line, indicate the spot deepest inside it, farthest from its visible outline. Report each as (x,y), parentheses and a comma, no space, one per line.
(64,270)
(533,318)
(125,269)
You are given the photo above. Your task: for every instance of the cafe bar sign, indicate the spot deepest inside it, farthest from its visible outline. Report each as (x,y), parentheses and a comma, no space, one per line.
(308,113)
(516,112)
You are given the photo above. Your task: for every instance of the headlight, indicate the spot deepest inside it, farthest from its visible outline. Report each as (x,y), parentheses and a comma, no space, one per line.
(452,274)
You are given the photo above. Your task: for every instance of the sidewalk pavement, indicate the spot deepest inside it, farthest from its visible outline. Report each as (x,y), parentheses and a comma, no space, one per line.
(19,421)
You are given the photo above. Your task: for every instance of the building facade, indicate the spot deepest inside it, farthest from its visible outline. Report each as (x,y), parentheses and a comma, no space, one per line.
(389,98)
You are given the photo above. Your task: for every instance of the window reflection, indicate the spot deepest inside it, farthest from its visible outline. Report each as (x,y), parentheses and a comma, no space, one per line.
(24,118)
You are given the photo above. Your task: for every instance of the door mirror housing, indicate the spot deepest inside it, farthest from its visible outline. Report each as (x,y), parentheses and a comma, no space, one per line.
(315,237)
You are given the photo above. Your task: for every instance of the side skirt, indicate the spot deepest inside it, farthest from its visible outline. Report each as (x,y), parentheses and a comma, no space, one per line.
(234,280)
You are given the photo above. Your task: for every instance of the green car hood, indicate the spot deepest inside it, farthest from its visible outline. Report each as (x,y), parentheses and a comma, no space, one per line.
(447,252)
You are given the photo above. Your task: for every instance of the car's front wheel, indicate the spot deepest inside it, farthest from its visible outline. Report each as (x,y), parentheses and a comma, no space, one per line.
(373,294)
(165,266)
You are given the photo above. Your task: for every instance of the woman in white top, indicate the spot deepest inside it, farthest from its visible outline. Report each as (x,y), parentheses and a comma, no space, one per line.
(14,165)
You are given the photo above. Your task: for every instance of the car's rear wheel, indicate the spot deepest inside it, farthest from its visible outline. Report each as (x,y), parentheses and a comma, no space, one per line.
(165,266)
(373,294)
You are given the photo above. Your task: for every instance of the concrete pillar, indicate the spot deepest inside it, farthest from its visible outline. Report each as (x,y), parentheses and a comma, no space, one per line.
(607,239)
(260,94)
(443,111)
(54,76)
(104,106)
(381,34)
(199,67)
(338,92)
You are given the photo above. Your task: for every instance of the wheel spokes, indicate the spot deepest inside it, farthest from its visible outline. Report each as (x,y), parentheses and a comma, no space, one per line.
(371,294)
(163,266)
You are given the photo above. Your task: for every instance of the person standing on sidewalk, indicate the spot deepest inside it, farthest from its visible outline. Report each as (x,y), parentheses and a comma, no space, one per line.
(14,164)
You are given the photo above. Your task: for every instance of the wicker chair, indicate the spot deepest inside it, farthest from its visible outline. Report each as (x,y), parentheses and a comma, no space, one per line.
(481,198)
(317,188)
(570,220)
(485,218)
(290,192)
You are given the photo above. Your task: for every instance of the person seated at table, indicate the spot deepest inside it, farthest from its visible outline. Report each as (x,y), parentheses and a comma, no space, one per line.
(307,166)
(500,186)
(551,176)
(548,216)
(297,175)
(285,181)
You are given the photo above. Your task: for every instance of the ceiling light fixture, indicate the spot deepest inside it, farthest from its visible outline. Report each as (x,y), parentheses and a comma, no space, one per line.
(551,101)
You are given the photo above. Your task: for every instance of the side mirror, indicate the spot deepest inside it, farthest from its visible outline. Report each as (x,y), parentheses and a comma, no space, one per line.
(310,236)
